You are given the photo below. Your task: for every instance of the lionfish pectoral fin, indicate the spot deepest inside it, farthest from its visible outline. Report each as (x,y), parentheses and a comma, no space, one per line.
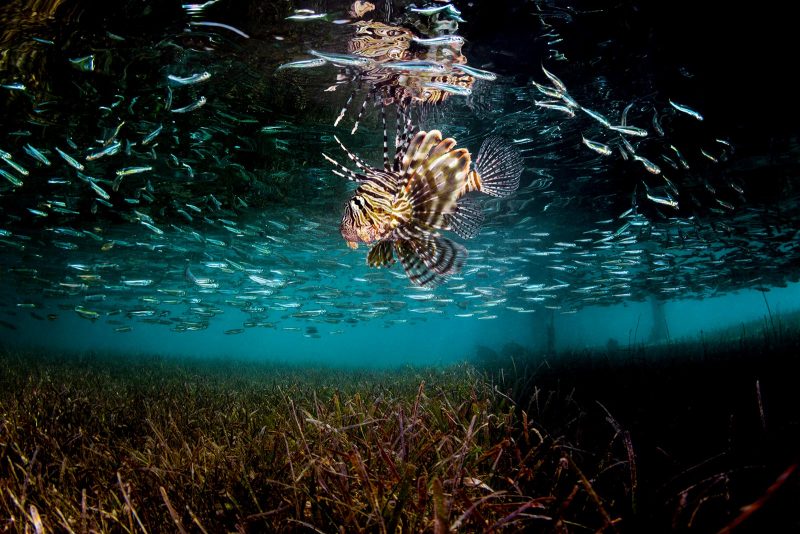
(466,220)
(442,147)
(429,259)
(418,150)
(381,255)
(498,166)
(434,188)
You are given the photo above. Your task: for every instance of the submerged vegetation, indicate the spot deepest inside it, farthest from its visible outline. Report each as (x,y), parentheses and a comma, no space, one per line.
(131,444)
(590,443)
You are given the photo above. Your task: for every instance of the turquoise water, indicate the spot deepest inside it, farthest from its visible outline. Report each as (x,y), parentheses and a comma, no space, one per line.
(180,202)
(438,340)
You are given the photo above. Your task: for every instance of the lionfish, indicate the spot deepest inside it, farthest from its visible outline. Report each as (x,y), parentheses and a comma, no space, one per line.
(400,209)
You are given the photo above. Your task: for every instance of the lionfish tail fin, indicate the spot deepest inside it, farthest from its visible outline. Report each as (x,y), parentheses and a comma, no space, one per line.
(429,259)
(466,220)
(498,167)
(381,255)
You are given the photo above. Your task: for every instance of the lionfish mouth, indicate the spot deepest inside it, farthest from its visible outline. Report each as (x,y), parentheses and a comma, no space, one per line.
(352,244)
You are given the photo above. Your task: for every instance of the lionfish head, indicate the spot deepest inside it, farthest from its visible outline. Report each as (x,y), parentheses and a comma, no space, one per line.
(353,227)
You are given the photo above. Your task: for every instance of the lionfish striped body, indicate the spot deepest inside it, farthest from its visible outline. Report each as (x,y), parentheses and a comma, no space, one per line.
(400,209)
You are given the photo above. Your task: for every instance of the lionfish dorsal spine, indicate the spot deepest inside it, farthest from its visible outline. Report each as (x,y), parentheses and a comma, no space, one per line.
(399,140)
(347,103)
(387,166)
(343,171)
(344,109)
(403,139)
(357,161)
(361,110)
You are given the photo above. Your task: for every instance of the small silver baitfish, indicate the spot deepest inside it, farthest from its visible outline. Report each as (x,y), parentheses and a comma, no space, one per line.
(450,88)
(557,107)
(69,159)
(16,182)
(665,201)
(476,73)
(191,107)
(303,64)
(420,66)
(344,60)
(152,135)
(687,110)
(557,83)
(597,116)
(110,150)
(133,170)
(600,148)
(189,80)
(439,41)
(649,165)
(315,16)
(36,154)
(16,166)
(630,130)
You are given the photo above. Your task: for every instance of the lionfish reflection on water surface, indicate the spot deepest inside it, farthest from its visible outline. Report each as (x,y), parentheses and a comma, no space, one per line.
(390,48)
(425,188)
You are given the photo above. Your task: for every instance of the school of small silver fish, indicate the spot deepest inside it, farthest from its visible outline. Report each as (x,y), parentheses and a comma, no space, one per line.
(198,188)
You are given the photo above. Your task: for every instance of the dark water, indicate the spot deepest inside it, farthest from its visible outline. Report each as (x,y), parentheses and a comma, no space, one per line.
(230,225)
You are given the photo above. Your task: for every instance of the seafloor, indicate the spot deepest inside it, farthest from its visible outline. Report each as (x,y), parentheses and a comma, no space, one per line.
(688,436)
